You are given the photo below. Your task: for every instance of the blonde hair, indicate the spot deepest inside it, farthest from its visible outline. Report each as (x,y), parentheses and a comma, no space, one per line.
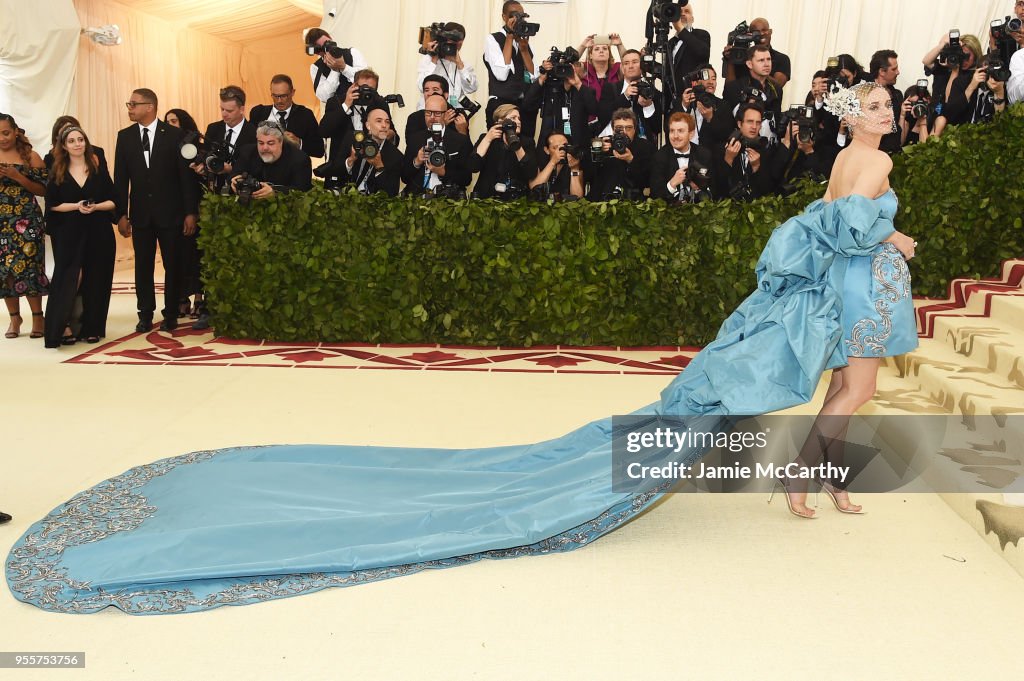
(502,112)
(974,45)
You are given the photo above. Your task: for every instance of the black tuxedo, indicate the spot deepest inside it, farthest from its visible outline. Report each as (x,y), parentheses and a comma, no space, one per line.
(550,98)
(716,131)
(694,53)
(388,180)
(215,132)
(605,177)
(300,121)
(292,171)
(729,178)
(156,198)
(664,165)
(612,99)
(457,172)
(416,122)
(336,123)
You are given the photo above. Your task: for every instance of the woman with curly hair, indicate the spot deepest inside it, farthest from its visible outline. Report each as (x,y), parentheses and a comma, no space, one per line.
(22,247)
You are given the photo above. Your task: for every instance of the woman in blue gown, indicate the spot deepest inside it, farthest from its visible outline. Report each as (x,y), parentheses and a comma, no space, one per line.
(240,526)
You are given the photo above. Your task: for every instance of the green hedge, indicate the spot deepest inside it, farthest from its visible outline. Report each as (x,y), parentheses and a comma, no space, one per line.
(316,266)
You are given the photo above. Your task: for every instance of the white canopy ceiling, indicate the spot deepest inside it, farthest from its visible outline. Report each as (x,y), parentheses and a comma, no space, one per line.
(243,21)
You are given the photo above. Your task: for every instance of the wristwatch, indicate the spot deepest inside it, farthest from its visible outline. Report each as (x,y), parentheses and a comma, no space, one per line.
(999,101)
(574,173)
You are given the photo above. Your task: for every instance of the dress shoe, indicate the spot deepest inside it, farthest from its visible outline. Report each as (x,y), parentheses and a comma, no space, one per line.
(203,322)
(4,518)
(169,325)
(144,325)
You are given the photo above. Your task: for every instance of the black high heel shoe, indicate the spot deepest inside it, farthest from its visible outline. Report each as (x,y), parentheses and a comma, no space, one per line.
(34,333)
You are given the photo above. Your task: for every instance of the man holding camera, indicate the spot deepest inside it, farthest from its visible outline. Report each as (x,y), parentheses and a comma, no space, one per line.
(682,171)
(335,68)
(371,163)
(278,165)
(714,121)
(620,167)
(781,65)
(509,62)
(443,58)
(739,91)
(345,111)
(157,202)
(232,130)
(885,70)
(436,159)
(689,48)
(298,122)
(796,157)
(743,165)
(633,93)
(566,104)
(417,120)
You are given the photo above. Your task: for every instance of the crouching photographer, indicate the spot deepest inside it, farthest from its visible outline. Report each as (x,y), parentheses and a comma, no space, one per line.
(561,178)
(619,167)
(682,171)
(271,166)
(436,159)
(367,160)
(743,163)
(506,160)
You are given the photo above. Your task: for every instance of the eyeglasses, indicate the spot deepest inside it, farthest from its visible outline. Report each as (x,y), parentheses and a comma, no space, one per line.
(625,128)
(435,114)
(284,96)
(132,105)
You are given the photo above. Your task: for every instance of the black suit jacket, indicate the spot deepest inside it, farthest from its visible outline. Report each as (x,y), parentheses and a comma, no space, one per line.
(695,52)
(457,170)
(387,181)
(416,122)
(612,99)
(549,98)
(605,177)
(301,122)
(718,129)
(664,166)
(293,170)
(158,196)
(336,123)
(733,88)
(215,132)
(762,183)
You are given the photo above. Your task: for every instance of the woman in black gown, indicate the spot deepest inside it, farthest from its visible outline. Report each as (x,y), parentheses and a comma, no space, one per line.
(80,194)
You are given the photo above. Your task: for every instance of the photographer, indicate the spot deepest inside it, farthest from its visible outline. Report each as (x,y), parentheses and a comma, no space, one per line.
(345,111)
(417,121)
(509,62)
(1015,86)
(566,104)
(443,58)
(952,63)
(299,123)
(795,157)
(562,174)
(743,164)
(438,156)
(986,93)
(885,70)
(619,167)
(781,65)
(370,162)
(633,93)
(759,62)
(915,111)
(690,47)
(335,68)
(277,164)
(506,161)
(682,171)
(712,115)
(233,130)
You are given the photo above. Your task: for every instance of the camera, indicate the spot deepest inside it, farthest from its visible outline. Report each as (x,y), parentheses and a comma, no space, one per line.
(330,47)
(619,144)
(436,154)
(645,89)
(920,108)
(741,39)
(668,12)
(700,176)
(651,67)
(753,94)
(364,145)
(757,144)
(468,108)
(952,55)
(804,117)
(508,128)
(245,187)
(597,150)
(447,41)
(523,28)
(214,155)
(997,69)
(623,194)
(696,80)
(367,95)
(447,191)
(562,63)
(510,191)
(835,78)
(572,150)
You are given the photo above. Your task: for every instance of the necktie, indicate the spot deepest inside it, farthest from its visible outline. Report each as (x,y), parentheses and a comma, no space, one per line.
(282,116)
(678,155)
(145,145)
(227,137)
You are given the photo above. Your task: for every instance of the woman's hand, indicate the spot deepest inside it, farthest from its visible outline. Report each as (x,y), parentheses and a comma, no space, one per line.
(903,243)
(86,207)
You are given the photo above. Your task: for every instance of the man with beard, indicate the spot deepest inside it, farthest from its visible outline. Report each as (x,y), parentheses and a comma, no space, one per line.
(279,165)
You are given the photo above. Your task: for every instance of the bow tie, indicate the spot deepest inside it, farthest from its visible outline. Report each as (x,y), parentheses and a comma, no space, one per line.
(678,155)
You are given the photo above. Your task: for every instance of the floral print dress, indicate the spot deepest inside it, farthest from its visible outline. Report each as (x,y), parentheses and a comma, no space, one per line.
(22,248)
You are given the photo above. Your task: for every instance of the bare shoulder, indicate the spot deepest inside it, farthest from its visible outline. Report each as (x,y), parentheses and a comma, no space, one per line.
(36,161)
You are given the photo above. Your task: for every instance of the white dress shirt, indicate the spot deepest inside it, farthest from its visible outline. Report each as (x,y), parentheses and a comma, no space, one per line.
(152,137)
(495,58)
(329,84)
(1015,86)
(461,82)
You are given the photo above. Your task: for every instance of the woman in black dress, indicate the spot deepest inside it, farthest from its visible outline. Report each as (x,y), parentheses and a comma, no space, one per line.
(80,194)
(190,256)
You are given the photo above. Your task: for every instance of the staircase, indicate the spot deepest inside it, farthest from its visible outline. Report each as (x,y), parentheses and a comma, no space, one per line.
(970,364)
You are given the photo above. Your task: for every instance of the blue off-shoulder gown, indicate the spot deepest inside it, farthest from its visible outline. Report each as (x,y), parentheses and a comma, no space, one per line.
(239,526)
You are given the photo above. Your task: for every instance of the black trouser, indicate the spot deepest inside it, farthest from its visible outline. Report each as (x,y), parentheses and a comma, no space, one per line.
(190,259)
(145,238)
(86,248)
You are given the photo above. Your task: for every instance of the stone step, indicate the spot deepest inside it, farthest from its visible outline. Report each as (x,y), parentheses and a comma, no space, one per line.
(987,343)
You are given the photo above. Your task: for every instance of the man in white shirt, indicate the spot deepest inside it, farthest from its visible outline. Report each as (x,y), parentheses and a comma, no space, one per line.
(510,68)
(439,61)
(1015,86)
(336,67)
